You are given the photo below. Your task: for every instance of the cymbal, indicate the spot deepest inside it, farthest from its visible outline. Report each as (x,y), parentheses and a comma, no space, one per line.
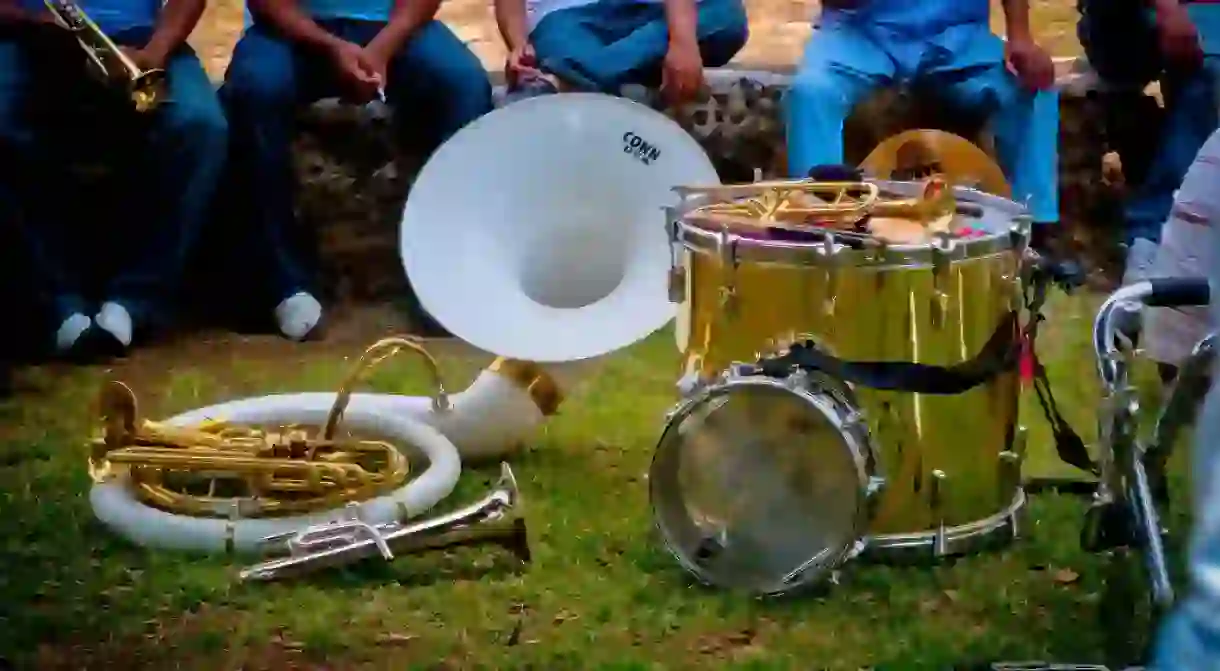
(915,154)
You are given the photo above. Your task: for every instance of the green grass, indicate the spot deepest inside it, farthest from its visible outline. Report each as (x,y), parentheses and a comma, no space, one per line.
(600,593)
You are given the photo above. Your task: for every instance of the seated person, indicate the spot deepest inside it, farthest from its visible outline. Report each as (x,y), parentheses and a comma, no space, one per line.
(606,45)
(177,160)
(1130,43)
(298,52)
(943,46)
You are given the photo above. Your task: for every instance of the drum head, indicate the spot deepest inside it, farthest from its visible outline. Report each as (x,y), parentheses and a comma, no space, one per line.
(760,488)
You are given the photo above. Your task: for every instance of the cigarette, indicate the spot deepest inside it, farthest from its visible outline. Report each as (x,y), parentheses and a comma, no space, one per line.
(381,93)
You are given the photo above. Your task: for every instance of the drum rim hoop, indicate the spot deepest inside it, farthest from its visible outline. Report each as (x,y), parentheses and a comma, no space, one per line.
(860,454)
(695,238)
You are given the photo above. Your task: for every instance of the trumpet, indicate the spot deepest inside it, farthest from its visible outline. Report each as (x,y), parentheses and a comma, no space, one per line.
(145,88)
(495,519)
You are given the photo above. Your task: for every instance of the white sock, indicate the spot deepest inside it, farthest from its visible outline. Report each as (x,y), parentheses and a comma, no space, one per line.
(298,314)
(115,320)
(70,330)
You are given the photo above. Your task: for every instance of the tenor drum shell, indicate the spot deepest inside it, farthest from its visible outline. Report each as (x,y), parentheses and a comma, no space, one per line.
(900,304)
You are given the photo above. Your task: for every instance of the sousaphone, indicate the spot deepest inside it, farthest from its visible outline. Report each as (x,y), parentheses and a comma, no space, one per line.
(538,234)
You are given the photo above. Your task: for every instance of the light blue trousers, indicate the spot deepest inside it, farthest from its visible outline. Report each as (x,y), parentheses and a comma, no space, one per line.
(1190,637)
(846,60)
(609,43)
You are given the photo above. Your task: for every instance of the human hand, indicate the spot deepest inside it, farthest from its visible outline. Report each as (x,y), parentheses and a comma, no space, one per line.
(682,73)
(145,59)
(521,63)
(359,71)
(1178,38)
(1030,62)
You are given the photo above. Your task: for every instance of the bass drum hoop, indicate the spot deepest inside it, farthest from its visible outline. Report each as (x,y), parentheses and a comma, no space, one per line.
(1005,215)
(816,391)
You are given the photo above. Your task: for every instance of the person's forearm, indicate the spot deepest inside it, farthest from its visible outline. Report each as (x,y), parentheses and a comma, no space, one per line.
(681,16)
(1016,20)
(407,17)
(1163,5)
(510,17)
(175,23)
(287,17)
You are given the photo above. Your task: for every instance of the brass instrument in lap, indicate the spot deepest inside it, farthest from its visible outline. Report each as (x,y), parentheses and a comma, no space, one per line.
(768,481)
(145,88)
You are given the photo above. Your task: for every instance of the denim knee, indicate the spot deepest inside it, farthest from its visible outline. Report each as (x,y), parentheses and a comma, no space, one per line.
(727,34)
(261,75)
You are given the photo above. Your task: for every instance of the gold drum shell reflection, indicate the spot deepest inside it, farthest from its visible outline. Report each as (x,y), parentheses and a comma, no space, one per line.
(951,462)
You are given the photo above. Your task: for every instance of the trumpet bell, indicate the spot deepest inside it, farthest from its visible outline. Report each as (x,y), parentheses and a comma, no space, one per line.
(496,519)
(538,232)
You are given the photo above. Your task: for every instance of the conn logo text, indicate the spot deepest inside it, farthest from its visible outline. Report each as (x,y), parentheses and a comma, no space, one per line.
(643,150)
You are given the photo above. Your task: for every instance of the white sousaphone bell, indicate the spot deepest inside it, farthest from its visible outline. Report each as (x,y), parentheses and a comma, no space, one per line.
(538,234)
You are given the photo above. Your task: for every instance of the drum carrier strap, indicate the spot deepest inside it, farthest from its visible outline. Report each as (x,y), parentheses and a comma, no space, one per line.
(1001,353)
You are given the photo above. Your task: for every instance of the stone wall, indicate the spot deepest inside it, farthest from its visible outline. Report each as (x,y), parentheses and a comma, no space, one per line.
(354,182)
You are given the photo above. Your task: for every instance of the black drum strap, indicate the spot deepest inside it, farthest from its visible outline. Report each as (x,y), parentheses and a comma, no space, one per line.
(1002,352)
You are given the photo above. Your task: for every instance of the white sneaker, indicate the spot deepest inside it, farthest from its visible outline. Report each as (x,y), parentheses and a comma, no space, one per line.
(297,315)
(114,319)
(70,330)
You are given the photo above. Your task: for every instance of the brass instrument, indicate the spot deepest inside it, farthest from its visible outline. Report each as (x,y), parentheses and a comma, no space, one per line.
(861,207)
(495,519)
(205,470)
(146,88)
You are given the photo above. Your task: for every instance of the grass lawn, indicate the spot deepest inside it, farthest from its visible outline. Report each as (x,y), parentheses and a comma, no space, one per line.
(600,593)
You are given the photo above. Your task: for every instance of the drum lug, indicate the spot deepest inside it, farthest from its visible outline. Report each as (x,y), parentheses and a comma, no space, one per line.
(942,250)
(830,249)
(727,251)
(1010,475)
(940,544)
(939,308)
(677,284)
(677,271)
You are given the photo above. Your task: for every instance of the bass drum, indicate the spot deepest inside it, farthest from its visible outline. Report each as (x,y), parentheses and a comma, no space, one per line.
(764,485)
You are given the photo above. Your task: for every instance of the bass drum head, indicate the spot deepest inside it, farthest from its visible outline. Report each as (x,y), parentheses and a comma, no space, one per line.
(759,488)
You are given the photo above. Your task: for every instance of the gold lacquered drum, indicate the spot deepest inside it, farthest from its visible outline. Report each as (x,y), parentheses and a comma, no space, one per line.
(928,279)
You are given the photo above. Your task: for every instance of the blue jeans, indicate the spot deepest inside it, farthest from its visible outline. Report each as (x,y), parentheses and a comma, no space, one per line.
(609,43)
(175,167)
(436,85)
(846,60)
(1121,44)
(1190,636)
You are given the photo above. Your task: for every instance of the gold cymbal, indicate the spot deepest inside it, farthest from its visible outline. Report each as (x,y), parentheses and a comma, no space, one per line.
(915,154)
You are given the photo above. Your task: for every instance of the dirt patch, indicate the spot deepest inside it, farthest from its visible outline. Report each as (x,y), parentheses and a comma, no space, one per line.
(778,30)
